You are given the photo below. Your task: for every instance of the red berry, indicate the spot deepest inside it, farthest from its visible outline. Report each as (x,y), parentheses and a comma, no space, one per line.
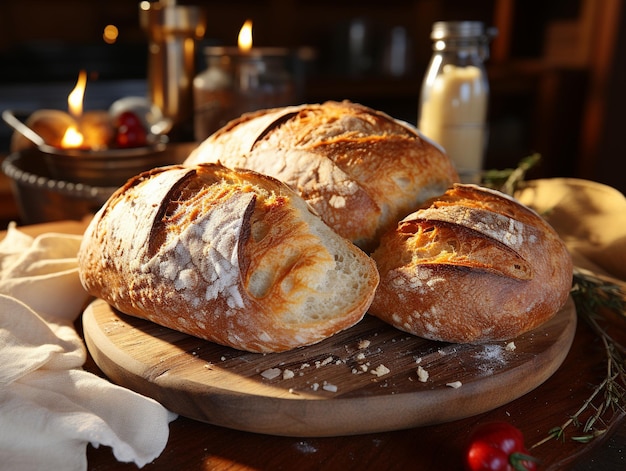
(130,130)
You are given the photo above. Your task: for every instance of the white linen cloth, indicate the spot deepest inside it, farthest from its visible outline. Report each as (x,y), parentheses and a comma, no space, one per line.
(50,408)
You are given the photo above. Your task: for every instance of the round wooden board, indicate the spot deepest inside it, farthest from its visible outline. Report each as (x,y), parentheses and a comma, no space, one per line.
(328,389)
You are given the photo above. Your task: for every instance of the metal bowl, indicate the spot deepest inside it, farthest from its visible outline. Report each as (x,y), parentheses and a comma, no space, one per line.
(103,167)
(42,197)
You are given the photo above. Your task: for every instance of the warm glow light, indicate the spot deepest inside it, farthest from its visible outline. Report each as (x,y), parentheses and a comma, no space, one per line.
(75,98)
(72,138)
(245,36)
(110,34)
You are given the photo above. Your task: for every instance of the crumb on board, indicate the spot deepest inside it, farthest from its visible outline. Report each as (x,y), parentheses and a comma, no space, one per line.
(363,344)
(380,370)
(422,374)
(510,347)
(327,361)
(271,373)
(454,385)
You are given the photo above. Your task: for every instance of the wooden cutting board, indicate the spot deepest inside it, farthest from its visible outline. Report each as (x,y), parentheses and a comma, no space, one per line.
(362,380)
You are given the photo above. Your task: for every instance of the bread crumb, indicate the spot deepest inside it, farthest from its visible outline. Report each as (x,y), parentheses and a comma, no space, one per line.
(319,364)
(363,344)
(360,356)
(329,387)
(271,373)
(288,374)
(315,386)
(380,370)
(454,385)
(422,374)
(510,347)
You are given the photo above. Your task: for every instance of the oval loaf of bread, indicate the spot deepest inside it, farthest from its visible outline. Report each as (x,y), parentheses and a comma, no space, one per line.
(229,256)
(360,169)
(472,266)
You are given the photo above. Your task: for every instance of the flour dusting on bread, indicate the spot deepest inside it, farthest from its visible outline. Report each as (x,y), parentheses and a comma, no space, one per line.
(472,266)
(230,256)
(359,168)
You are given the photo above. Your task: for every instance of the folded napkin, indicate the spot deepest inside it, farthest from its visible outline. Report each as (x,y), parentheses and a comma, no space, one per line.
(50,408)
(590,218)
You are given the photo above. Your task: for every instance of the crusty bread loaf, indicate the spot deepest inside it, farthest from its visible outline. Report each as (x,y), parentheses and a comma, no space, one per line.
(230,256)
(473,266)
(360,169)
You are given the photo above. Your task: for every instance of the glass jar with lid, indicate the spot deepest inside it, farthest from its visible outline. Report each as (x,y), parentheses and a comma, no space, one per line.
(454,96)
(236,82)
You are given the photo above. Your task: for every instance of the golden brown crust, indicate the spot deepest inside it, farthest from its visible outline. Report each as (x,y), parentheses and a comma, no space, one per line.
(230,256)
(472,266)
(360,169)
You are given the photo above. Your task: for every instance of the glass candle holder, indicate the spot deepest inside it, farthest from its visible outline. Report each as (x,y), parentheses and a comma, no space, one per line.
(236,82)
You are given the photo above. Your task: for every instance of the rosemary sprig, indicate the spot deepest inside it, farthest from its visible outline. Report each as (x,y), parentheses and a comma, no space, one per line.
(593,296)
(508,180)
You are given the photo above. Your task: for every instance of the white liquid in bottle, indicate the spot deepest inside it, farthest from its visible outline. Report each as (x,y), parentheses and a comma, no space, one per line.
(455,95)
(454,115)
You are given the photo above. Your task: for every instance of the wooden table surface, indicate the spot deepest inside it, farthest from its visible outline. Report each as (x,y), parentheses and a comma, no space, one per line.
(196,445)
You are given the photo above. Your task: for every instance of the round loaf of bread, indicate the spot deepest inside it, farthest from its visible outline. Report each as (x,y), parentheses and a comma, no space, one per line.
(229,256)
(472,266)
(360,169)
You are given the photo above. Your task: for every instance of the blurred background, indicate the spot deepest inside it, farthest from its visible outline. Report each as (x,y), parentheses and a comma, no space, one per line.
(557,68)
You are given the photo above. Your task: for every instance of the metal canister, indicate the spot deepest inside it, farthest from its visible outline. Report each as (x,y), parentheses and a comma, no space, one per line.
(173,31)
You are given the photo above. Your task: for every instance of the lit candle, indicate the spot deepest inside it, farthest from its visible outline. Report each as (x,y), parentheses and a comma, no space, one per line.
(238,80)
(244,40)
(73,138)
(91,129)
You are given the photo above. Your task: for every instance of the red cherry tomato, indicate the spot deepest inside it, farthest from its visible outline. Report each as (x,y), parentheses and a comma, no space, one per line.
(498,446)
(130,130)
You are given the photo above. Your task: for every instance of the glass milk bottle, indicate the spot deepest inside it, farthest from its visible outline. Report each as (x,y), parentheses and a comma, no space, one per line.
(455,95)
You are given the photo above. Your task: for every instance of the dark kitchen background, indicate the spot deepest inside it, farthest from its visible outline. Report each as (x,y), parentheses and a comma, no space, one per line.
(557,68)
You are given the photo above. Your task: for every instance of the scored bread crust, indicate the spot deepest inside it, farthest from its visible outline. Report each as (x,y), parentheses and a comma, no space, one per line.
(230,256)
(360,169)
(472,266)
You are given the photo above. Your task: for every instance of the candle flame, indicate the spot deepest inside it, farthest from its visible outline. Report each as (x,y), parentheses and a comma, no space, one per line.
(72,138)
(245,36)
(75,98)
